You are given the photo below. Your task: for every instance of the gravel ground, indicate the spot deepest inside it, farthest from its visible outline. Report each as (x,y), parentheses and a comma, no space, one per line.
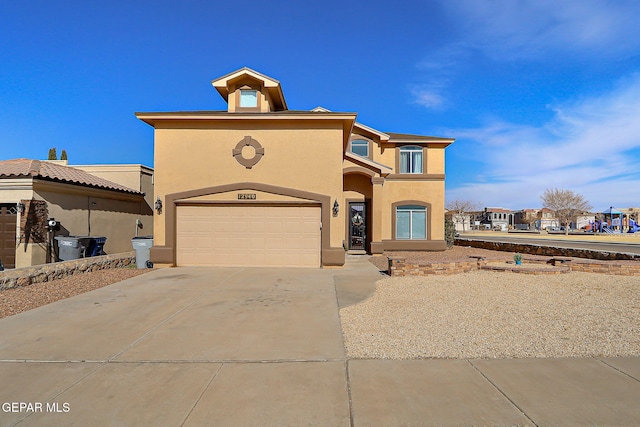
(17,300)
(483,314)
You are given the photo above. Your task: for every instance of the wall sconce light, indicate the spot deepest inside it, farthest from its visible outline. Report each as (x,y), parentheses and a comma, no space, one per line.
(158,205)
(336,208)
(21,207)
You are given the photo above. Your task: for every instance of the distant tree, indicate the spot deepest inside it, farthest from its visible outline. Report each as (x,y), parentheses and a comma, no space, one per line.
(52,154)
(566,204)
(63,155)
(459,208)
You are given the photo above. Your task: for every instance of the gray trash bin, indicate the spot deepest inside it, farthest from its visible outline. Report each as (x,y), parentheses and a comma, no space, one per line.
(72,247)
(142,245)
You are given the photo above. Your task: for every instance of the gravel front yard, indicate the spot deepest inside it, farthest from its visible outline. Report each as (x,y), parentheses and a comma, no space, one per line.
(480,314)
(17,300)
(483,314)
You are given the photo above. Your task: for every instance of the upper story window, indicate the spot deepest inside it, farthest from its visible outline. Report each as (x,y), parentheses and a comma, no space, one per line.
(410,159)
(248,98)
(360,147)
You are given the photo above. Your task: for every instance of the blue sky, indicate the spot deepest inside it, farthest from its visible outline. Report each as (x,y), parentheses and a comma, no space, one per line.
(538,93)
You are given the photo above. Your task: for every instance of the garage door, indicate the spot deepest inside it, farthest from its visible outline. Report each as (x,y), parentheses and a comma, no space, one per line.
(260,236)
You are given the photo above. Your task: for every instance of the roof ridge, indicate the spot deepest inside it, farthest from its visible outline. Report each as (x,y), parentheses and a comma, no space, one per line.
(34,167)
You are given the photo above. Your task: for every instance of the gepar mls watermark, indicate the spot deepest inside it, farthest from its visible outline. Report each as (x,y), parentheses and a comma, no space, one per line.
(26,407)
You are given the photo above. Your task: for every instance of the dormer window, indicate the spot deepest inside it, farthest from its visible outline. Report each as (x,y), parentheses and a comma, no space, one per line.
(360,147)
(248,98)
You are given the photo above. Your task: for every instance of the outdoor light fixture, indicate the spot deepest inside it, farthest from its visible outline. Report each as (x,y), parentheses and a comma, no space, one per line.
(336,208)
(21,207)
(158,205)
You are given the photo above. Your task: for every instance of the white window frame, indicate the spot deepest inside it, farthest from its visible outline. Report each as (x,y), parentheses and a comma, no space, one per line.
(247,91)
(361,143)
(412,166)
(411,209)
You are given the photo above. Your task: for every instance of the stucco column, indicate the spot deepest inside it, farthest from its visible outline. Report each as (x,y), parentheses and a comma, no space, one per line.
(376,210)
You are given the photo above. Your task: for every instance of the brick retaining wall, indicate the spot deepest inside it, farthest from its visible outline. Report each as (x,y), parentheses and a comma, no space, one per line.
(533,249)
(59,270)
(398,266)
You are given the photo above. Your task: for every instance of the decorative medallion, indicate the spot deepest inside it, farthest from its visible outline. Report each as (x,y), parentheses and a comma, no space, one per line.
(244,161)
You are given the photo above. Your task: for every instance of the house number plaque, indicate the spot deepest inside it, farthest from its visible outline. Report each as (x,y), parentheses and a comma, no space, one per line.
(246,196)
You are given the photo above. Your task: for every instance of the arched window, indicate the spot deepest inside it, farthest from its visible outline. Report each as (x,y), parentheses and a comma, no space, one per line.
(411,222)
(410,159)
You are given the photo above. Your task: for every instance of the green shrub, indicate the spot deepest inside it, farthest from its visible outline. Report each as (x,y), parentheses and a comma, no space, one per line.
(449,232)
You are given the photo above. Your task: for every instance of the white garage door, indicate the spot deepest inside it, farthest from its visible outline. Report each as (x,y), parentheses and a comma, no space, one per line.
(260,236)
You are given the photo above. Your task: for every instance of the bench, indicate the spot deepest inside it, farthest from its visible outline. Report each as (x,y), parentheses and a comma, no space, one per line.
(560,260)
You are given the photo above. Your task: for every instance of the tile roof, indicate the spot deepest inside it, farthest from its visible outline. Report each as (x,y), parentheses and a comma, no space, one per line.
(17,168)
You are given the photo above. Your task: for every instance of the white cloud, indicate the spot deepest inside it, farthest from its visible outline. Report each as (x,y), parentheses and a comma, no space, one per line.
(510,29)
(429,98)
(591,146)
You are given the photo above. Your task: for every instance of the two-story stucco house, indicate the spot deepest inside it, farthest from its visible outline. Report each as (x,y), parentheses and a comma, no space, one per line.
(262,185)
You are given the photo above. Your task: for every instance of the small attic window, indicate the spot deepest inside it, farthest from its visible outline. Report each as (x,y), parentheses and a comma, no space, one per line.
(248,98)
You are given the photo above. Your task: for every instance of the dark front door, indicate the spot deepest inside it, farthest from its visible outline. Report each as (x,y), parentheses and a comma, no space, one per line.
(8,217)
(357,225)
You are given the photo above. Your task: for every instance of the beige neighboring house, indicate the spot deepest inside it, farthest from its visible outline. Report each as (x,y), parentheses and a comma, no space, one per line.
(33,191)
(462,222)
(259,184)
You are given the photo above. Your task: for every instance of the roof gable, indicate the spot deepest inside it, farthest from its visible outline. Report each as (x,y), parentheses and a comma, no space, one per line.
(229,82)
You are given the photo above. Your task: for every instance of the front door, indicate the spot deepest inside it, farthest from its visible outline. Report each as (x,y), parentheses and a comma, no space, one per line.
(8,217)
(357,226)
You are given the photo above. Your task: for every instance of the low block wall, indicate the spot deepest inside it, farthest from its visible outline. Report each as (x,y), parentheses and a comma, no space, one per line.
(605,267)
(400,267)
(59,270)
(546,250)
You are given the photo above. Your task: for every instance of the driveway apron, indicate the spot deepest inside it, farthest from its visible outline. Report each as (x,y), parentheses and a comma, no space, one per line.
(263,347)
(182,346)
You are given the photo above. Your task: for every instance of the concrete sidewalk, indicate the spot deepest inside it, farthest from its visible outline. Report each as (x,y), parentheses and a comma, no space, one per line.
(240,346)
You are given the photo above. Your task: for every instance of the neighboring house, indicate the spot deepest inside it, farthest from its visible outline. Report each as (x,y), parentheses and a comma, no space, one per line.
(497,218)
(262,185)
(462,222)
(33,191)
(526,219)
(547,219)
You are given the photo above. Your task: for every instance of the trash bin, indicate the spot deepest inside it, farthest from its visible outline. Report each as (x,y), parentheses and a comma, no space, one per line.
(142,245)
(72,247)
(96,246)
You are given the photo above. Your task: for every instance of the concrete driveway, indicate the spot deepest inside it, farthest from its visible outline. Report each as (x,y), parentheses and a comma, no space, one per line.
(242,346)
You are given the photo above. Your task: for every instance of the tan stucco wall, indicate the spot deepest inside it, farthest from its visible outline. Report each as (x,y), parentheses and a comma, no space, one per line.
(357,186)
(435,160)
(301,155)
(31,254)
(137,177)
(14,190)
(232,197)
(93,212)
(385,154)
(430,192)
